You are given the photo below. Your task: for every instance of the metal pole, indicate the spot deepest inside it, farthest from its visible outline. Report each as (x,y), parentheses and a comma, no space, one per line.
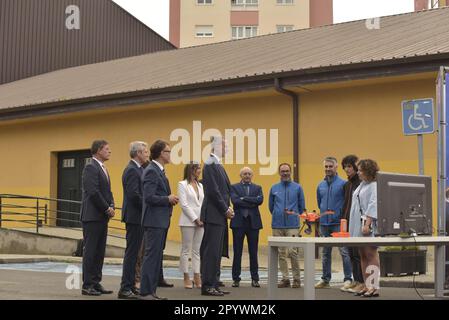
(0,212)
(441,152)
(420,154)
(37,216)
(46,212)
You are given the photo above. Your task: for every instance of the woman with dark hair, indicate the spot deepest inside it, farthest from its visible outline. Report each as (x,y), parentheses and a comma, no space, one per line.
(363,223)
(191,195)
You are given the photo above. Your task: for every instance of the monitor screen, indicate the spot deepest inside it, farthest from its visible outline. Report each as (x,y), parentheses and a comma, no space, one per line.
(404,204)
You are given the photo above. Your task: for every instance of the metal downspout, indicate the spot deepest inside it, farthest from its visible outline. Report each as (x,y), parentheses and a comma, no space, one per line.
(295,106)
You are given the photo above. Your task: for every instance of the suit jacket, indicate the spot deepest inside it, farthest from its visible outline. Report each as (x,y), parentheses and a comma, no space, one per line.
(157,210)
(217,193)
(132,194)
(97,196)
(241,201)
(190,203)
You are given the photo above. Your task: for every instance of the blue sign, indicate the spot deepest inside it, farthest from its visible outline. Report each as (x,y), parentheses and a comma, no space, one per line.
(417,117)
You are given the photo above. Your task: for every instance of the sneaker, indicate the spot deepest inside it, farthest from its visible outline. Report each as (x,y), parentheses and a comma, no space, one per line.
(322,285)
(284,284)
(296,284)
(346,286)
(358,287)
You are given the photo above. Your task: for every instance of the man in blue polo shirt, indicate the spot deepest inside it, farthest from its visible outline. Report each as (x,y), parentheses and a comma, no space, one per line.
(331,196)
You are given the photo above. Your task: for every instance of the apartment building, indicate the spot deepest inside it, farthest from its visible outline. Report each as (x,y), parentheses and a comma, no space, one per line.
(197,22)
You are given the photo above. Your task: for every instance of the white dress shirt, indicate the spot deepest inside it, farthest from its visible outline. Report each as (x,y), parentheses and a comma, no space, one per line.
(159,165)
(102,167)
(137,164)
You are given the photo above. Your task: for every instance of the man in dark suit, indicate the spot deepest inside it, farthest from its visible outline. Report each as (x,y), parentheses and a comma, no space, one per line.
(158,205)
(132,216)
(246,198)
(96,209)
(214,212)
(162,282)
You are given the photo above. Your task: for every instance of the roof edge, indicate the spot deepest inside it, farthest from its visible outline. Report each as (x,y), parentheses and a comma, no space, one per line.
(331,74)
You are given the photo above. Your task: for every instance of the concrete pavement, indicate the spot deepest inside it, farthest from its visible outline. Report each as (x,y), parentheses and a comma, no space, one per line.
(29,285)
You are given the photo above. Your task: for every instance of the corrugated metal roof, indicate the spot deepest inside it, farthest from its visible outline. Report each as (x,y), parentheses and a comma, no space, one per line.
(401,36)
(34,38)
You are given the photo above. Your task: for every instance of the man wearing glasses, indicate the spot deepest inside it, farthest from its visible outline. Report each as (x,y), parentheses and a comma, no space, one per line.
(158,202)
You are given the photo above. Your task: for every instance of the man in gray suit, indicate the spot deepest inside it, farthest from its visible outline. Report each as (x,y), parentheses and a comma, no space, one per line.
(214,212)
(158,205)
(132,216)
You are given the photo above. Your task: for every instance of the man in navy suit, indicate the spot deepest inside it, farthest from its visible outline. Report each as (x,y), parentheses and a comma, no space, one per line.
(132,216)
(158,202)
(246,198)
(214,212)
(97,208)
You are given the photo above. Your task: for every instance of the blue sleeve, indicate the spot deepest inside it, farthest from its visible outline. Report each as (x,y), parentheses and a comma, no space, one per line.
(271,201)
(318,197)
(301,201)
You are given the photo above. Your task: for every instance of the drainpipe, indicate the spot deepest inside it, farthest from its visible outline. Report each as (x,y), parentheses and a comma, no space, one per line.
(295,107)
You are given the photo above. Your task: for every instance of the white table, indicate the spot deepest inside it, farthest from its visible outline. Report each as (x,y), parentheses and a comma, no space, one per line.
(309,244)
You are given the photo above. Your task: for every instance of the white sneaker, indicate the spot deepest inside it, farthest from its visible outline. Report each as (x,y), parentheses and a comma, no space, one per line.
(346,286)
(322,285)
(358,286)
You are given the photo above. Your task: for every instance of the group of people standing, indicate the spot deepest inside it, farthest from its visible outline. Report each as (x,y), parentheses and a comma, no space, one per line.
(354,200)
(206,208)
(147,208)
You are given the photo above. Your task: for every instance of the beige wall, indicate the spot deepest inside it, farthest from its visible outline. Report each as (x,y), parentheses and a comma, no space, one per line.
(271,14)
(219,15)
(216,14)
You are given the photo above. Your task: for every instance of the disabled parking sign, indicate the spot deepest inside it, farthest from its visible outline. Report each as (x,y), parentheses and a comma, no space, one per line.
(417,117)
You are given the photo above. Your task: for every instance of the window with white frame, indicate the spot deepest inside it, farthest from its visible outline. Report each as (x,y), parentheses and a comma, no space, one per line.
(284,27)
(245,3)
(202,2)
(240,32)
(204,31)
(284,1)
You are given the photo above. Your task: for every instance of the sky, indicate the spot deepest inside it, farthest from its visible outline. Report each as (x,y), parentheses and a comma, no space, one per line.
(154,13)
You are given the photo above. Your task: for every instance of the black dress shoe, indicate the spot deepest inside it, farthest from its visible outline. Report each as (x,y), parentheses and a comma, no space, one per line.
(165,284)
(211,292)
(222,291)
(255,284)
(221,284)
(90,292)
(103,290)
(127,294)
(136,291)
(236,284)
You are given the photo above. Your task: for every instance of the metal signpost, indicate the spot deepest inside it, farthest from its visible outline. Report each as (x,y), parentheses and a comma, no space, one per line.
(443,165)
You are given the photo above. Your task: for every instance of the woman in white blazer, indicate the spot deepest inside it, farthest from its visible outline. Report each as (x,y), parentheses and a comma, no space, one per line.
(191,195)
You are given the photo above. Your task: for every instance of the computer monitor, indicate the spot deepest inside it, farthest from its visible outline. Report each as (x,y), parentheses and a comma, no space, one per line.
(404,204)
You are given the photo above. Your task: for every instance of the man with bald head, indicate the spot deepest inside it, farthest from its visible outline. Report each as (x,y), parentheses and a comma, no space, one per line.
(246,198)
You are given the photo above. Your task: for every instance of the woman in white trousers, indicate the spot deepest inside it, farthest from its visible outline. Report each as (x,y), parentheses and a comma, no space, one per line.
(191,195)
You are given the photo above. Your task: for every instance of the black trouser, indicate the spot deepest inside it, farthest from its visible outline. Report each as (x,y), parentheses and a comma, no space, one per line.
(134,236)
(356,265)
(210,252)
(94,236)
(252,236)
(151,266)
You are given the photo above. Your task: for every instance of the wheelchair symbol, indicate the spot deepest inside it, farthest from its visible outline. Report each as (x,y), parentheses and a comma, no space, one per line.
(418,118)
